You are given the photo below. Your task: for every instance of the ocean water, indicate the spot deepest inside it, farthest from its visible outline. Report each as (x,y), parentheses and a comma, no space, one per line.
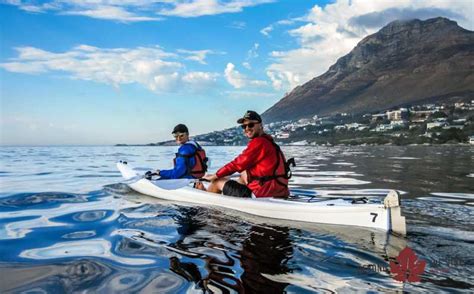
(68,224)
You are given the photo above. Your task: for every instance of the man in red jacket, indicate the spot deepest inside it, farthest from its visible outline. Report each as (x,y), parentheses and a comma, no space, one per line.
(262,165)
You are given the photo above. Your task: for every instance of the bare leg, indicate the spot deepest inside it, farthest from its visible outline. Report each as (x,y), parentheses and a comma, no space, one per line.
(217,185)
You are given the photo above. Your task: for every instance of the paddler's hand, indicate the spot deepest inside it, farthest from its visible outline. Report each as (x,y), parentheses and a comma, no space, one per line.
(149,174)
(210,177)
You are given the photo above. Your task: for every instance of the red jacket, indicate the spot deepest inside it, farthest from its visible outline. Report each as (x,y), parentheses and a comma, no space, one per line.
(259,159)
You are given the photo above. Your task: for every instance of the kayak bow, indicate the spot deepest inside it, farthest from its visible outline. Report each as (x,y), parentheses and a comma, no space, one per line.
(385,216)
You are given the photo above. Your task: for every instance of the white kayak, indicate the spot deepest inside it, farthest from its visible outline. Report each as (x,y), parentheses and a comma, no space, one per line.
(385,216)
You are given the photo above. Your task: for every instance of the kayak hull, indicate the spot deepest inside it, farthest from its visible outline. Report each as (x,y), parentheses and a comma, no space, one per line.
(334,211)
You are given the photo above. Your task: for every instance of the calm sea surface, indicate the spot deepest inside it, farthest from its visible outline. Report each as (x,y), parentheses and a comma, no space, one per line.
(67,224)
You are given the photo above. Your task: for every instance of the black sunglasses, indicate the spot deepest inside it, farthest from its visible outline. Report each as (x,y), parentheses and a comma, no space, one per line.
(250,125)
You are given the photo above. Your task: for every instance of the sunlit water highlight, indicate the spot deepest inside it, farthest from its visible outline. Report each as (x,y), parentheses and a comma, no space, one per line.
(67,224)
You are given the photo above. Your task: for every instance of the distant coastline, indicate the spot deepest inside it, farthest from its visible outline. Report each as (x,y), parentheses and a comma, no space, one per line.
(426,124)
(306,145)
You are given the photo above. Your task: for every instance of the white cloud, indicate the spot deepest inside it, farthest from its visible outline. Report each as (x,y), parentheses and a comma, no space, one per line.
(238,80)
(252,53)
(198,55)
(331,31)
(111,13)
(240,25)
(136,10)
(198,81)
(267,30)
(195,8)
(248,95)
(125,11)
(152,67)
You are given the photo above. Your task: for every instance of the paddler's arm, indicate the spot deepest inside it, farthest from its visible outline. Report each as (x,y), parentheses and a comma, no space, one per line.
(210,177)
(244,161)
(180,168)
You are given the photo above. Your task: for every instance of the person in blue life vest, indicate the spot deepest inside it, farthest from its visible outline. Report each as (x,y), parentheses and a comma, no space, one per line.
(190,161)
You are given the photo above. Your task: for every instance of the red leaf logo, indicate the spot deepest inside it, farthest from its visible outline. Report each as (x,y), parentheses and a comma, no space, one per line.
(409,267)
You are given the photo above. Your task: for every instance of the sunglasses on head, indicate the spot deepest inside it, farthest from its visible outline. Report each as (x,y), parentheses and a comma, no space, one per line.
(178,135)
(249,125)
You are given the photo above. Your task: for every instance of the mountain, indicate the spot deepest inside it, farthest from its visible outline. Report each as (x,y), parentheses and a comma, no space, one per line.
(406,62)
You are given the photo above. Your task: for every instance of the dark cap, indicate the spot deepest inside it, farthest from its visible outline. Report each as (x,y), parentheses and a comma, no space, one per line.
(250,115)
(180,129)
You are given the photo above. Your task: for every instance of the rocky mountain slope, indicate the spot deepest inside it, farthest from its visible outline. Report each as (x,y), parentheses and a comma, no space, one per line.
(406,62)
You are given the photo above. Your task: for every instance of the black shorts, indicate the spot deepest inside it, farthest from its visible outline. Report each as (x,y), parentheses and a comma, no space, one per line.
(233,188)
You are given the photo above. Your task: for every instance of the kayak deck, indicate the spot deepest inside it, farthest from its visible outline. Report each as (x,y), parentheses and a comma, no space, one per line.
(385,216)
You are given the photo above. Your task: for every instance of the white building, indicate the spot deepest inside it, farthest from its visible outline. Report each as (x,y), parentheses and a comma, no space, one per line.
(460,121)
(459,127)
(432,125)
(383,128)
(378,116)
(304,121)
(396,115)
(421,115)
(283,135)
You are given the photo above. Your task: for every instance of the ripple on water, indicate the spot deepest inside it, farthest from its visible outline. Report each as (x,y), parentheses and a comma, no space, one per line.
(339,181)
(91,216)
(404,158)
(80,235)
(454,195)
(42,174)
(99,176)
(326,173)
(72,249)
(27,199)
(343,163)
(440,199)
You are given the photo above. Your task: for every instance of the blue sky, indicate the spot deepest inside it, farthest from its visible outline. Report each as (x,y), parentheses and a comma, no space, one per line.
(106,72)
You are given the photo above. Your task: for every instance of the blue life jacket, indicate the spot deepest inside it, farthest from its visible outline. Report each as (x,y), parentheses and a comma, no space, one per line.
(189,157)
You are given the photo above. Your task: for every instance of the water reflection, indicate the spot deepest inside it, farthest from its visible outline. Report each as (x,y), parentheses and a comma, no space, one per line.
(189,271)
(265,251)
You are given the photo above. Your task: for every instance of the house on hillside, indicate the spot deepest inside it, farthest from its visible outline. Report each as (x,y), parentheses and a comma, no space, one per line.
(461,121)
(421,115)
(283,135)
(383,128)
(436,124)
(378,117)
(397,115)
(459,105)
(304,121)
(459,127)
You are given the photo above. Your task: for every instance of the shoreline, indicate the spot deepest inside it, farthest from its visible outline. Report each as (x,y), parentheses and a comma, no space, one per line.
(302,145)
